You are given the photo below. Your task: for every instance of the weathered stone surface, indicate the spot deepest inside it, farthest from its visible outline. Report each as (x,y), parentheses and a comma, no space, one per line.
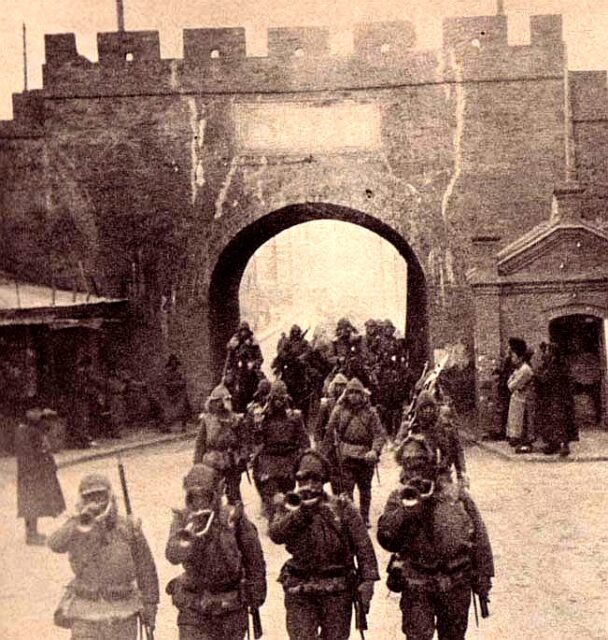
(136,167)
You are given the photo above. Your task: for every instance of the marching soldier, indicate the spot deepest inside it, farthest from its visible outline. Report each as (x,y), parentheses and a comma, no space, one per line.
(440,547)
(222,442)
(353,443)
(291,366)
(438,428)
(242,370)
(224,568)
(324,535)
(115,576)
(334,392)
(280,440)
(348,351)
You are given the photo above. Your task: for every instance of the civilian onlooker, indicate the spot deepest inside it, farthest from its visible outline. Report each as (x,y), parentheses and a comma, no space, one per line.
(520,383)
(177,407)
(553,411)
(38,491)
(502,373)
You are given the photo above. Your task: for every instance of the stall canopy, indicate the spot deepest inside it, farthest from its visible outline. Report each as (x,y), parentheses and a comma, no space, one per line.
(23,303)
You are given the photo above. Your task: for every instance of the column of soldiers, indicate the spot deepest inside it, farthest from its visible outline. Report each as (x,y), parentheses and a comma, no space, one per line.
(441,555)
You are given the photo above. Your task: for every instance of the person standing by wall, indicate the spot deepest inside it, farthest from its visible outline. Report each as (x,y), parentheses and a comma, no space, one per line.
(554,401)
(38,491)
(520,385)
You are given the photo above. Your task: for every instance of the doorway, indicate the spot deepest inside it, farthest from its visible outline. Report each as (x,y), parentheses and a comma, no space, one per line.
(582,340)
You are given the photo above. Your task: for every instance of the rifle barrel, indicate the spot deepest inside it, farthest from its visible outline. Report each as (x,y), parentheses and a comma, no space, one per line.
(125,489)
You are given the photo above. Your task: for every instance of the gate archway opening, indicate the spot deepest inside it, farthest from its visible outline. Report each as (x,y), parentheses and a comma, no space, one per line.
(224,302)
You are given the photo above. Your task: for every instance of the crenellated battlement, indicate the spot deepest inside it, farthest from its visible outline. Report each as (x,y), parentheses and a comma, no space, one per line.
(588,95)
(300,59)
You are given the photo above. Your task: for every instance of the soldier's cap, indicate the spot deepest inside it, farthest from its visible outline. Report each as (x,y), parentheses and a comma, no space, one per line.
(415,450)
(345,323)
(93,483)
(220,393)
(339,378)
(371,322)
(425,398)
(312,463)
(295,329)
(263,387)
(278,389)
(244,326)
(355,384)
(201,476)
(518,346)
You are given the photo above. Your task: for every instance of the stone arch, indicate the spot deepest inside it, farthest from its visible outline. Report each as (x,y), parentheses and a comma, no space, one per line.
(223,308)
(575,309)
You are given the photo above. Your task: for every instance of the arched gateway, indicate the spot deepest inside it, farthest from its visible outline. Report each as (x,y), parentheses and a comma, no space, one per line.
(152,181)
(223,310)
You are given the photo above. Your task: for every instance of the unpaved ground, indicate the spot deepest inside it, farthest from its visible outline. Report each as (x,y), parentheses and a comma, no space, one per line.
(548,524)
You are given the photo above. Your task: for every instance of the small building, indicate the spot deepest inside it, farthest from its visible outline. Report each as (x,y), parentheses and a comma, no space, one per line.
(549,284)
(44,334)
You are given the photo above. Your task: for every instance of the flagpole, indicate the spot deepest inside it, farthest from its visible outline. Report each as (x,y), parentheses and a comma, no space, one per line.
(120,15)
(24,38)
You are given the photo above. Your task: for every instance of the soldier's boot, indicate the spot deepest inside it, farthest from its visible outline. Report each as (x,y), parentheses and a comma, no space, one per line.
(32,537)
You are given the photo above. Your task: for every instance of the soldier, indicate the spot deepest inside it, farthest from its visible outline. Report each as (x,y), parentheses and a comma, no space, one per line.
(353,443)
(280,440)
(225,572)
(115,576)
(242,370)
(440,545)
(391,378)
(38,491)
(334,392)
(222,442)
(255,409)
(323,534)
(441,434)
(291,366)
(348,357)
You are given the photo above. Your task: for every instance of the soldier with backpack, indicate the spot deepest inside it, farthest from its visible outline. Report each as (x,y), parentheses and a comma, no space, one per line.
(222,442)
(224,569)
(333,564)
(441,550)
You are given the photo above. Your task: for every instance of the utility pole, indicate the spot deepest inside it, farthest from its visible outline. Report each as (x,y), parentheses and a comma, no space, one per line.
(24,38)
(120,15)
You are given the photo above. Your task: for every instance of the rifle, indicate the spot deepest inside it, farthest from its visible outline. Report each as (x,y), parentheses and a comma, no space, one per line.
(483,607)
(338,453)
(256,623)
(360,615)
(147,629)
